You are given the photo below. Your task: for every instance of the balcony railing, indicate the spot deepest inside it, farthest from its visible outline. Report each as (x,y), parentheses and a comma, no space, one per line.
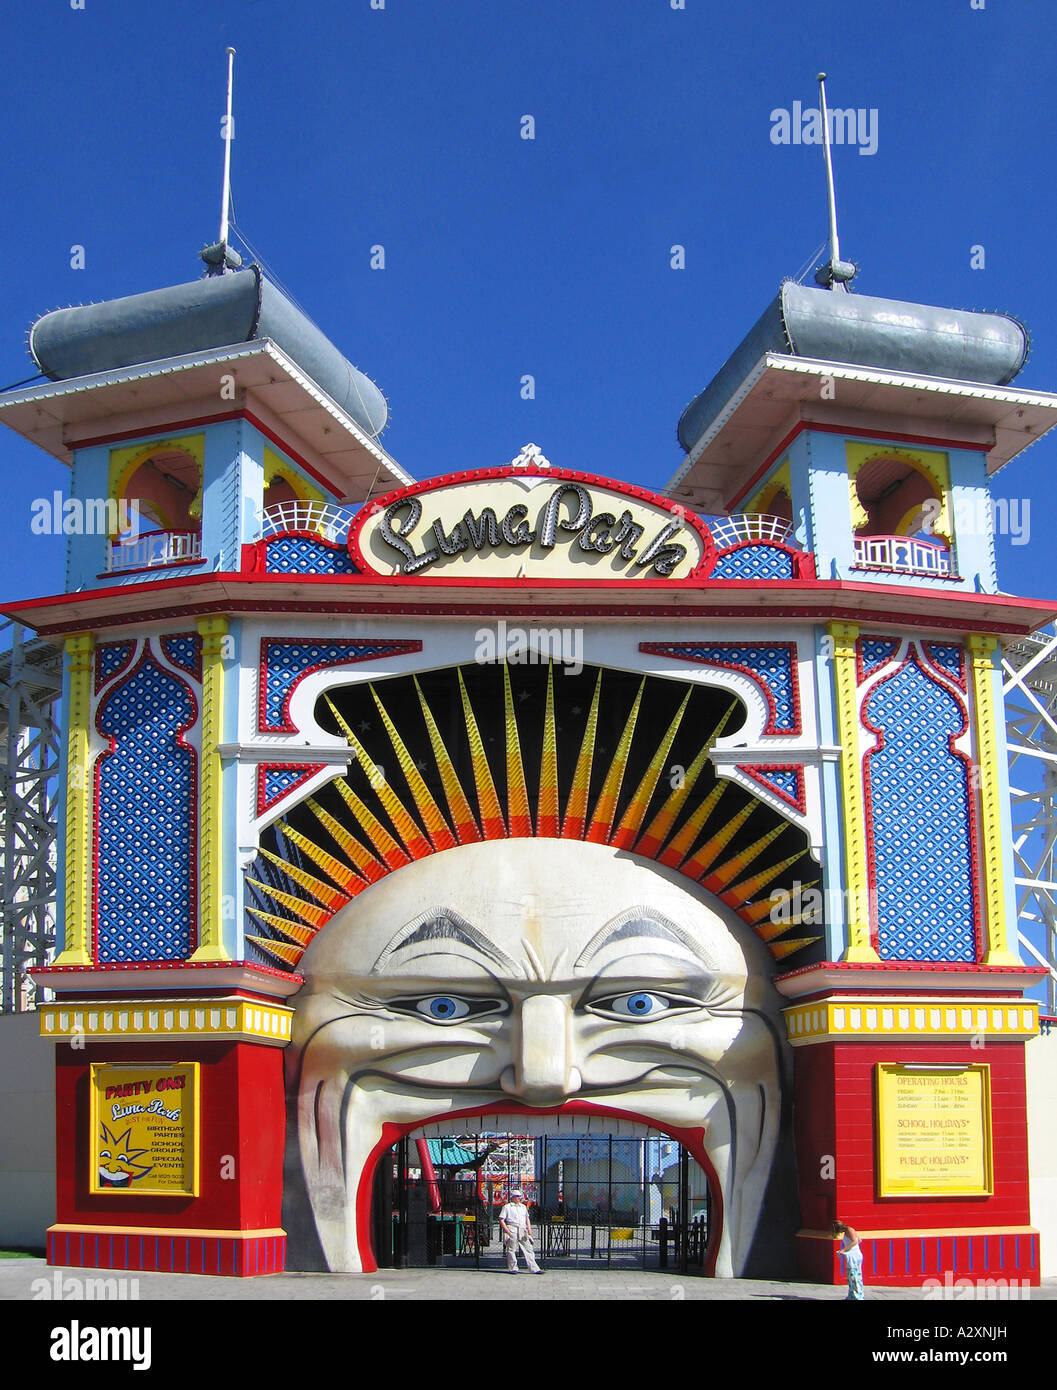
(323,519)
(901,555)
(749,526)
(153,549)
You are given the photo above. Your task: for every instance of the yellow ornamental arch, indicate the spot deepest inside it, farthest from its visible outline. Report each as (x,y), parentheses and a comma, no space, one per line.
(125,462)
(932,464)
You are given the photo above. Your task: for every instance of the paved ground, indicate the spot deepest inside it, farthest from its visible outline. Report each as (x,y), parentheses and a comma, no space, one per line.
(33,1279)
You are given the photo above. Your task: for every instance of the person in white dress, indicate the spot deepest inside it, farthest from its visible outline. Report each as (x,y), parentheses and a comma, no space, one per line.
(851,1249)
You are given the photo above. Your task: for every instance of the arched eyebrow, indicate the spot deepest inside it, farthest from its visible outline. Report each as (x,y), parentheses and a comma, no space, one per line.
(443,924)
(644,924)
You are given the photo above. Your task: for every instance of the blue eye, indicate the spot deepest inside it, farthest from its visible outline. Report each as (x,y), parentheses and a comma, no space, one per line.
(442,1008)
(639,1005)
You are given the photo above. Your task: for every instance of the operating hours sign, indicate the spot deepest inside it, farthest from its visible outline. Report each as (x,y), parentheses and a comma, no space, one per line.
(933,1131)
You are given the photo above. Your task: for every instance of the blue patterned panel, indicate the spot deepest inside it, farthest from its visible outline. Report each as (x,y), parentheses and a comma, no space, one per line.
(920,824)
(145,846)
(875,653)
(300,555)
(185,650)
(772,667)
(788,782)
(109,659)
(284,664)
(948,659)
(757,561)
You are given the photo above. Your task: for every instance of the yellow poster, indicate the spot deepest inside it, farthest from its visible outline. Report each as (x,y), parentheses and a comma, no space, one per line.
(933,1131)
(144,1128)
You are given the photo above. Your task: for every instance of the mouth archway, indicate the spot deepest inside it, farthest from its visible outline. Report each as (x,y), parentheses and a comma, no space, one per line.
(571,1121)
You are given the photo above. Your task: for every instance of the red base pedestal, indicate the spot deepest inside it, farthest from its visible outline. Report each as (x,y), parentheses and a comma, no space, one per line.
(233,1225)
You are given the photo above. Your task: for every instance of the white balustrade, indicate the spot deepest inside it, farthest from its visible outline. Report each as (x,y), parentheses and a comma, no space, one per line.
(903,555)
(153,549)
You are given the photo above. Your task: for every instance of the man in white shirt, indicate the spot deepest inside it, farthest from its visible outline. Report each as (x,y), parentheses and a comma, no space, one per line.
(516,1226)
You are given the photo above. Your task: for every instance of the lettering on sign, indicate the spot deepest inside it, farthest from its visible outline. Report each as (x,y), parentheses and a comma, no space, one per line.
(528,525)
(933,1132)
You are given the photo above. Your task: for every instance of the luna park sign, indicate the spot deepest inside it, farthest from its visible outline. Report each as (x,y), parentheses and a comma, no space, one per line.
(517,524)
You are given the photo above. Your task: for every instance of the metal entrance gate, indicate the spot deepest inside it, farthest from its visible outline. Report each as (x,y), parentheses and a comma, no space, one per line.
(596,1202)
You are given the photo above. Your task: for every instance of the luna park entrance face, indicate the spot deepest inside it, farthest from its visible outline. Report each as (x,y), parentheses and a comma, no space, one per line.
(598,1201)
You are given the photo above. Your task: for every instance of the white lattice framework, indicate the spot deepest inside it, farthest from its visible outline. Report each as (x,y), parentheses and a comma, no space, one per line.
(31,683)
(1030,687)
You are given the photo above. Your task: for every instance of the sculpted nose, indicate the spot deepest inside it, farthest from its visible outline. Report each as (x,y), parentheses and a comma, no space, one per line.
(542,1073)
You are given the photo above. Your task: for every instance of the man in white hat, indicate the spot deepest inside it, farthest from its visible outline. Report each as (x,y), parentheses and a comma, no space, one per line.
(516,1225)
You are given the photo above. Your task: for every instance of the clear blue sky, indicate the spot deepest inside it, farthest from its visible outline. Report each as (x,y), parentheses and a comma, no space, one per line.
(504,256)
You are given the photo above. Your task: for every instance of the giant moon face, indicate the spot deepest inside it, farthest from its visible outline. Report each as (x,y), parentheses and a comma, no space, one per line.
(533,973)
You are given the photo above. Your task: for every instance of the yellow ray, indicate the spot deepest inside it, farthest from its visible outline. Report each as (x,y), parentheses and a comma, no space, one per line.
(437,827)
(547,808)
(767,931)
(294,930)
(493,826)
(728,871)
(281,950)
(324,893)
(748,887)
(780,949)
(706,855)
(383,842)
(576,806)
(406,826)
(660,827)
(308,912)
(519,820)
(361,856)
(681,844)
(635,812)
(465,826)
(605,811)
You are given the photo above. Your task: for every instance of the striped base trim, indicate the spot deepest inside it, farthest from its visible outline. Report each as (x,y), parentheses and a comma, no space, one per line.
(239,1254)
(909,1258)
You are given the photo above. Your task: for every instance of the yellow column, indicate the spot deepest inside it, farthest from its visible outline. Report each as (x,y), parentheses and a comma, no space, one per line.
(999,942)
(77,943)
(856,882)
(210,827)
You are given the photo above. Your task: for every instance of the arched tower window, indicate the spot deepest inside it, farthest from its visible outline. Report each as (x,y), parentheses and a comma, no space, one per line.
(158,490)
